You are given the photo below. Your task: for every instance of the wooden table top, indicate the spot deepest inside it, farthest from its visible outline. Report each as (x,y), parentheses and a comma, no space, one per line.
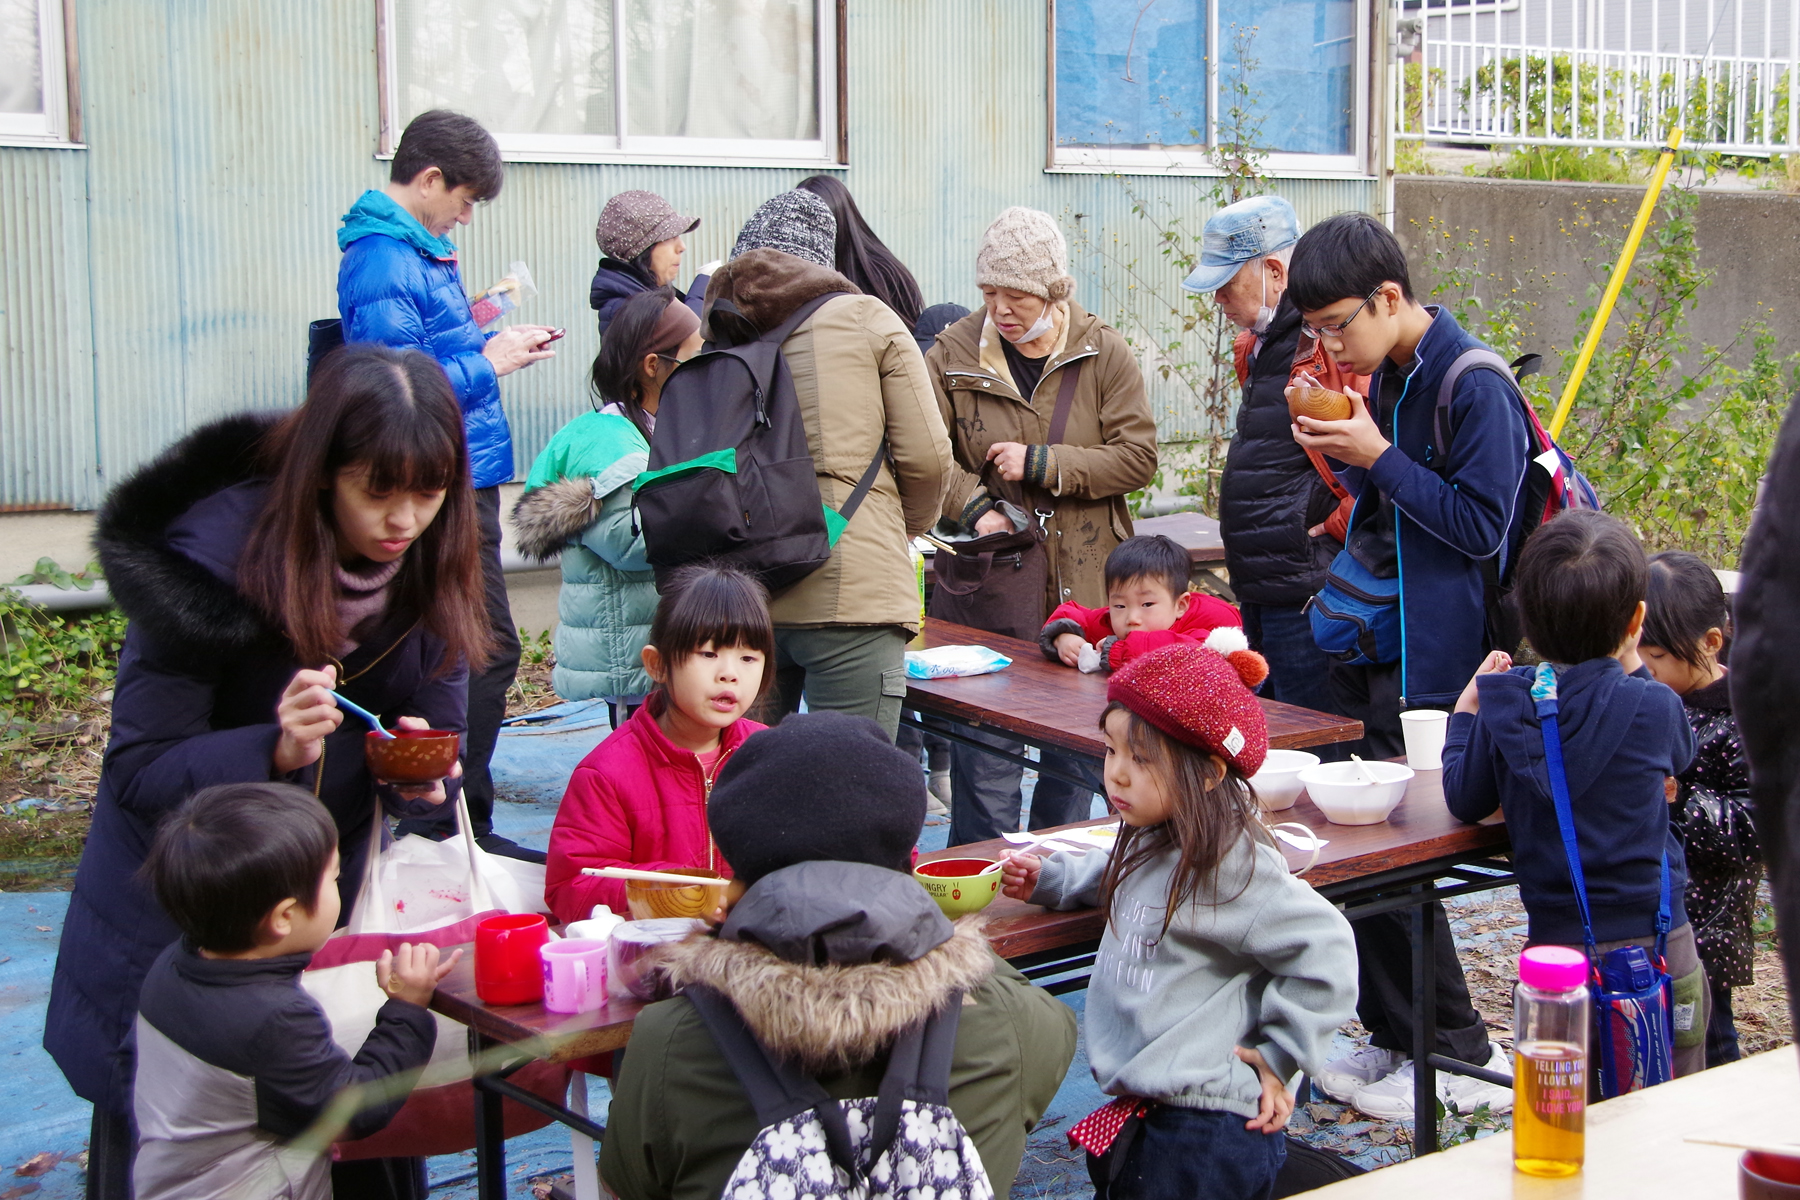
(1050,704)
(565,1036)
(1636,1145)
(1419,830)
(1196,532)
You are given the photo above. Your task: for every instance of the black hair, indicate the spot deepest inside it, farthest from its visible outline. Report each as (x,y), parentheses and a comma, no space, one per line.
(231,853)
(1149,556)
(862,257)
(718,604)
(1345,257)
(1685,600)
(1580,579)
(615,373)
(457,146)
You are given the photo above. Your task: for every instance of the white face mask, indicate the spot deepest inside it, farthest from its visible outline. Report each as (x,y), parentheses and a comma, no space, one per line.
(1039,328)
(1264,314)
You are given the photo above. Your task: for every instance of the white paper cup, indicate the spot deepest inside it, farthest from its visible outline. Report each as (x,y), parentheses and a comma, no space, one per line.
(1424,731)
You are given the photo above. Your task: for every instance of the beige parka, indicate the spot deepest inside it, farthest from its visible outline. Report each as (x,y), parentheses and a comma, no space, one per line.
(1108,446)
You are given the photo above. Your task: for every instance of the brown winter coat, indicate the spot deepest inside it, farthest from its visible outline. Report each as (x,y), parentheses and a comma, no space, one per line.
(1108,448)
(857,375)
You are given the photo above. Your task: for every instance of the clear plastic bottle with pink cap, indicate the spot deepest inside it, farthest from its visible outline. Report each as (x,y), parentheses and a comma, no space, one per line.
(1551,1014)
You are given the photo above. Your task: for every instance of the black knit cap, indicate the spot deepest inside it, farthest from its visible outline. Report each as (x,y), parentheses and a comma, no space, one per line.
(819,787)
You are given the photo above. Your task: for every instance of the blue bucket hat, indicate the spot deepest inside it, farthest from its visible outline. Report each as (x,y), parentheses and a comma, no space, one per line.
(1238,233)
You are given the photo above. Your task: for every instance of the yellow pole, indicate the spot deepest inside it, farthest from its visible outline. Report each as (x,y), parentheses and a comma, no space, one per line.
(1616,284)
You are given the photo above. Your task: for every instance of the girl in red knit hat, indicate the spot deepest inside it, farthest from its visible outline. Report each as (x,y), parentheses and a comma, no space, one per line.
(1220,975)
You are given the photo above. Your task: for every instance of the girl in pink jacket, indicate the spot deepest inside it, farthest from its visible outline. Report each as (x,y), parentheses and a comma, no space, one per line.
(639,799)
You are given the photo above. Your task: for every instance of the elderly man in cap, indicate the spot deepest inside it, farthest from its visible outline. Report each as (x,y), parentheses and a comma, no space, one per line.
(640,235)
(1282,512)
(831,955)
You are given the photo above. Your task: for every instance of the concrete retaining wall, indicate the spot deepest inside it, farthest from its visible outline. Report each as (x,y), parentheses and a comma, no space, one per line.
(1534,236)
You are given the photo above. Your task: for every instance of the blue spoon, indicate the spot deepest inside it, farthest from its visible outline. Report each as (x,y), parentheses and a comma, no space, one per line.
(351,706)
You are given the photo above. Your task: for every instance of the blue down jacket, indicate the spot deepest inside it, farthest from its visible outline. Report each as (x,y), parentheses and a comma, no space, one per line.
(194,705)
(400,286)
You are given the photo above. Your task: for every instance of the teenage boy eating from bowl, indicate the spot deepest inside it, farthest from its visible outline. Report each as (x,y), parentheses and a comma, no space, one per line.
(1443,520)
(1148,606)
(829,955)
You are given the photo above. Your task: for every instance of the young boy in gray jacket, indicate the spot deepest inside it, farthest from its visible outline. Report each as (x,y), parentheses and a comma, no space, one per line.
(234,1060)
(1219,974)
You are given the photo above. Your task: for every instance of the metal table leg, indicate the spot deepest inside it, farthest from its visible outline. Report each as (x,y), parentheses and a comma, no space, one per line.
(1424,982)
(490,1131)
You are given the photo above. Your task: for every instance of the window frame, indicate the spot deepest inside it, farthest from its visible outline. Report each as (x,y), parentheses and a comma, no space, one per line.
(829,150)
(59,124)
(1106,160)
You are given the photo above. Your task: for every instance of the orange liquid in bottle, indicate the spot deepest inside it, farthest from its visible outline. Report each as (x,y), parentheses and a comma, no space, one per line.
(1550,1107)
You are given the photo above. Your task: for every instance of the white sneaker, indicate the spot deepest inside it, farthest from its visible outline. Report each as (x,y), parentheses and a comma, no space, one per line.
(1343,1077)
(1391,1099)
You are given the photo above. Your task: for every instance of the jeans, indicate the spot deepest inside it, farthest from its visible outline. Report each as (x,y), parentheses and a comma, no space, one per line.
(856,669)
(1184,1153)
(985,796)
(1384,1001)
(1299,672)
(488,687)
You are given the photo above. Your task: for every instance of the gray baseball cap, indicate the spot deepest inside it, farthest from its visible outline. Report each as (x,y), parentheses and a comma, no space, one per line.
(1238,233)
(632,222)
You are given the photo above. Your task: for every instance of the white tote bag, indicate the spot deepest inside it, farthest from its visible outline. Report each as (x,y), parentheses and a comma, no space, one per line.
(418,890)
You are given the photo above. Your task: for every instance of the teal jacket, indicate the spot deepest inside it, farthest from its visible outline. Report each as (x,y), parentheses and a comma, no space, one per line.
(577,502)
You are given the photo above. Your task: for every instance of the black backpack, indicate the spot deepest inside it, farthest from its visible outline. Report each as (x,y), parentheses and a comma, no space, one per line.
(730,478)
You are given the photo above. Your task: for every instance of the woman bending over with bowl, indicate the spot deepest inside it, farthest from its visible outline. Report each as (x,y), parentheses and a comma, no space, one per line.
(264,563)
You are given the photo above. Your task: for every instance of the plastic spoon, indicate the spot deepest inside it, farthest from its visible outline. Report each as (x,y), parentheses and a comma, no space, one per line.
(351,706)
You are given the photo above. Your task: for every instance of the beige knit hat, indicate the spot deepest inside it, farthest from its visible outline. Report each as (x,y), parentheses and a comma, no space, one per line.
(1024,250)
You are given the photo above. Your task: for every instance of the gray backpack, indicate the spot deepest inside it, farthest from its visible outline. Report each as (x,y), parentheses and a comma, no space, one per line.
(902,1142)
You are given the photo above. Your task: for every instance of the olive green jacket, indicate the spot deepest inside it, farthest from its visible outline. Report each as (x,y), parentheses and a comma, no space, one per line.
(680,1122)
(1108,446)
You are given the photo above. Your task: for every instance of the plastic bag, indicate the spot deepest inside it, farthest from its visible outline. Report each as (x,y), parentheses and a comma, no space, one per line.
(945,662)
(514,288)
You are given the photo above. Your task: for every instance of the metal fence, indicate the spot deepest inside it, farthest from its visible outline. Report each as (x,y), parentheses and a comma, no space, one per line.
(1599,73)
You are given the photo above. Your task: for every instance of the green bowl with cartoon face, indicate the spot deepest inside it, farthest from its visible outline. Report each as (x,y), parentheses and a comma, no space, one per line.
(958,885)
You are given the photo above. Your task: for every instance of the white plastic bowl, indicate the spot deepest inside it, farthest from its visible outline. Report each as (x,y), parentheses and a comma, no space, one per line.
(1277,785)
(1337,791)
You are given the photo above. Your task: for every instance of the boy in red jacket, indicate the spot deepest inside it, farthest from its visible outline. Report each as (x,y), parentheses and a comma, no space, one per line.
(1148,606)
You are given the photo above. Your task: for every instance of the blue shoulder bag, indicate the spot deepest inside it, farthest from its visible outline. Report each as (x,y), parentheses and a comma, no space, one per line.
(1355,617)
(1633,994)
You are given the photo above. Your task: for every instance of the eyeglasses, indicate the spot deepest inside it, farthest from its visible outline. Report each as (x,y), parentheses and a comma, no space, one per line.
(1336,331)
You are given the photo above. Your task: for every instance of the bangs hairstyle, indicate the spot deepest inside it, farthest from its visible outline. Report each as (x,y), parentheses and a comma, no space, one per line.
(1684,601)
(231,853)
(1580,579)
(721,605)
(457,146)
(1208,813)
(862,257)
(391,411)
(1345,258)
(1150,556)
(615,374)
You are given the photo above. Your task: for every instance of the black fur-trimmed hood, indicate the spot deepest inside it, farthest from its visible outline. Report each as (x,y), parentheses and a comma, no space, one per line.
(183,602)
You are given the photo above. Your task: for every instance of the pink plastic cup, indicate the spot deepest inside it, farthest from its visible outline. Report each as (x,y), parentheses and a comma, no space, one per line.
(574,975)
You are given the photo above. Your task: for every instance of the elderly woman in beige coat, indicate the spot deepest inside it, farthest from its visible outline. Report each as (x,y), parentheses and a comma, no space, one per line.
(997,374)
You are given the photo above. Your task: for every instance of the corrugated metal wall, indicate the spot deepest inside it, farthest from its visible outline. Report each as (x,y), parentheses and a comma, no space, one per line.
(187,248)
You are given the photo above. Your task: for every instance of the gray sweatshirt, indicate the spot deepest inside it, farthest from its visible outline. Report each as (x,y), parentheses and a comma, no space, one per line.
(1271,969)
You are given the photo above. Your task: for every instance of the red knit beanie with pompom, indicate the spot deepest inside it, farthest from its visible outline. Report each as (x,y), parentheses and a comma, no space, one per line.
(1200,694)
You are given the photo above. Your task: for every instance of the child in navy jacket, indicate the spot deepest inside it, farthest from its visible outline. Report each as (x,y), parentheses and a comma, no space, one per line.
(1581,582)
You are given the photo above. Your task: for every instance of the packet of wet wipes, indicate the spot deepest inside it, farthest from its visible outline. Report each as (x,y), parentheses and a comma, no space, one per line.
(944,662)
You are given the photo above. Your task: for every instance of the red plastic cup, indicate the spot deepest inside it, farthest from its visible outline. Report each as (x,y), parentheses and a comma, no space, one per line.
(507,967)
